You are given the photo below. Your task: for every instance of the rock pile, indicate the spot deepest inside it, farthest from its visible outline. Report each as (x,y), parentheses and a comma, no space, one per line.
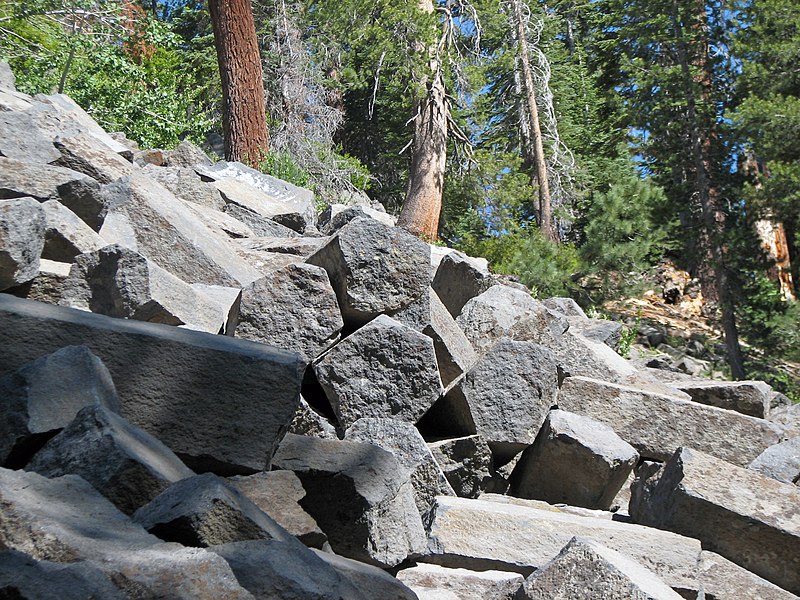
(209,391)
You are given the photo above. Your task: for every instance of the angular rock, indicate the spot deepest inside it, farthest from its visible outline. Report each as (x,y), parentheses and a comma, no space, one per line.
(747,397)
(22,141)
(488,585)
(656,425)
(384,369)
(144,216)
(309,422)
(87,199)
(723,580)
(745,516)
(302,247)
(454,353)
(22,227)
(278,494)
(586,569)
(47,285)
(375,269)
(66,520)
(7,79)
(44,396)
(780,461)
(293,308)
(337,216)
(187,185)
(261,226)
(186,154)
(566,306)
(119,282)
(404,441)
(215,401)
(575,460)
(86,154)
(480,535)
(458,279)
(599,330)
(366,577)
(66,235)
(360,496)
(466,463)
(127,465)
(227,301)
(221,222)
(505,398)
(249,197)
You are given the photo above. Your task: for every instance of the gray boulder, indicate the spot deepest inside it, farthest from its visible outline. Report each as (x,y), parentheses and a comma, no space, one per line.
(780,461)
(360,496)
(86,154)
(261,226)
(66,235)
(337,216)
(487,585)
(308,421)
(374,269)
(566,306)
(368,578)
(22,227)
(22,141)
(186,154)
(19,179)
(724,580)
(44,396)
(454,353)
(747,397)
(458,279)
(47,286)
(575,460)
(384,369)
(466,463)
(127,465)
(600,330)
(187,185)
(7,79)
(86,198)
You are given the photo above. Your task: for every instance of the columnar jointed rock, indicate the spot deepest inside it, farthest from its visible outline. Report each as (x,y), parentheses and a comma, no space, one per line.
(374,269)
(20,179)
(293,308)
(723,580)
(44,396)
(370,579)
(359,494)
(86,154)
(747,397)
(466,462)
(384,369)
(656,425)
(454,353)
(575,460)
(309,422)
(22,226)
(48,285)
(66,235)
(127,465)
(404,441)
(458,279)
(487,585)
(216,401)
(781,461)
(588,570)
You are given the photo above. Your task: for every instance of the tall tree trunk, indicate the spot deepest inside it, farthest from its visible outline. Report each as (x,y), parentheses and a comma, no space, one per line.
(523,63)
(423,204)
(244,119)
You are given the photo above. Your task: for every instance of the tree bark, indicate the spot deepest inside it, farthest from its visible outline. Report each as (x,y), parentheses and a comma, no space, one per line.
(244,121)
(423,203)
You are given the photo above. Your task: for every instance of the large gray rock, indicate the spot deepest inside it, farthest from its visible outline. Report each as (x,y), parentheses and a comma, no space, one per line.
(505,398)
(368,578)
(384,369)
(186,184)
(586,569)
(86,154)
(278,494)
(19,179)
(404,441)
(7,79)
(22,226)
(215,401)
(66,520)
(480,535)
(293,308)
(337,216)
(127,465)
(47,285)
(567,307)
(466,463)
(723,580)
(599,330)
(747,397)
(458,279)
(745,516)
(486,585)
(454,353)
(781,461)
(144,216)
(308,421)
(20,140)
(66,235)
(186,154)
(374,269)
(359,494)
(656,425)
(221,222)
(44,396)
(575,460)
(87,199)
(261,226)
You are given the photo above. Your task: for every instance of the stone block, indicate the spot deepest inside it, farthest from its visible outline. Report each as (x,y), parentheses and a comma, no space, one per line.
(66,235)
(747,397)
(466,463)
(368,578)
(21,140)
(486,585)
(458,279)
(86,154)
(22,227)
(780,461)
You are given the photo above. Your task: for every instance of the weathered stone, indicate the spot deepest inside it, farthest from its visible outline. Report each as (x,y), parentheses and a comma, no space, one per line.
(86,198)
(186,154)
(215,401)
(575,460)
(586,569)
(250,197)
(119,282)
(274,569)
(505,398)
(487,585)
(66,235)
(44,396)
(458,279)
(47,285)
(745,516)
(359,495)
(278,494)
(377,582)
(404,441)
(22,141)
(227,300)
(337,216)
(221,222)
(656,425)
(466,463)
(7,79)
(302,247)
(780,461)
(454,353)
(385,369)
(542,505)
(86,154)
(374,269)
(144,216)
(261,226)
(309,422)
(187,185)
(747,397)
(150,156)
(293,308)
(566,306)
(787,417)
(22,227)
(600,330)
(127,465)
(480,535)
(66,520)
(20,179)
(723,580)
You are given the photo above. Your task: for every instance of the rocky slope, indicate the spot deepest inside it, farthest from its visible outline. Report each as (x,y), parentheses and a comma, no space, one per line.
(211,391)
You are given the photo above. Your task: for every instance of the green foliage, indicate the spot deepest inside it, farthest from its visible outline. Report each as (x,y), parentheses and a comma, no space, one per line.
(283,166)
(548,269)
